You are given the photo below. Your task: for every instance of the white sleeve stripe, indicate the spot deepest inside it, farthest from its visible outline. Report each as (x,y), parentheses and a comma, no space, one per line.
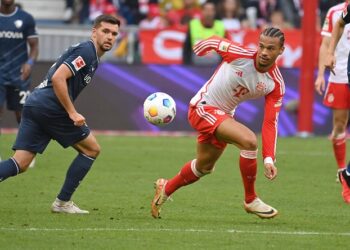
(69,67)
(278,78)
(31,36)
(199,44)
(203,46)
(233,46)
(326,33)
(246,53)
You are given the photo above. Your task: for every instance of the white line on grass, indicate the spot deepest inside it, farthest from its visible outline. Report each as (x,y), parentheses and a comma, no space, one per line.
(189,230)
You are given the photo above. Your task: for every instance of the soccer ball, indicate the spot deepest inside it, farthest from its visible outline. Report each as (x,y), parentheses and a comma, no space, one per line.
(159,109)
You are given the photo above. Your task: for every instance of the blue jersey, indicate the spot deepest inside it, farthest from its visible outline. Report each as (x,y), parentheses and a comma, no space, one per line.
(15,28)
(82,60)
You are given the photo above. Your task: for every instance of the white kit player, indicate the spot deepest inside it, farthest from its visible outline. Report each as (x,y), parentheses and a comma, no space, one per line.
(243,74)
(337,93)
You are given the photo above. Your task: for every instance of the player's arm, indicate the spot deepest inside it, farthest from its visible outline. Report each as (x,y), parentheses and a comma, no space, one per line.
(26,69)
(60,87)
(228,50)
(273,103)
(336,34)
(322,57)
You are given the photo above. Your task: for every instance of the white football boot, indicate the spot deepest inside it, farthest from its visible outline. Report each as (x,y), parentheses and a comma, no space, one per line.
(68,207)
(261,209)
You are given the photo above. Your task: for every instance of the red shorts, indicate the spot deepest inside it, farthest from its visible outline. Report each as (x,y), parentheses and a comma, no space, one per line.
(205,119)
(337,96)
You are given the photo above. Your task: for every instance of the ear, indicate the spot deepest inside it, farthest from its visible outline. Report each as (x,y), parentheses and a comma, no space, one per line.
(281,50)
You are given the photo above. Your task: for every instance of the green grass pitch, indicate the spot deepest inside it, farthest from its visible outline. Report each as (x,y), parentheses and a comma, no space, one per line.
(206,215)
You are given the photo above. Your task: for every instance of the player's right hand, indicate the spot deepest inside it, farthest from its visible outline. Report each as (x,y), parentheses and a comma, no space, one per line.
(320,85)
(270,171)
(330,63)
(77,119)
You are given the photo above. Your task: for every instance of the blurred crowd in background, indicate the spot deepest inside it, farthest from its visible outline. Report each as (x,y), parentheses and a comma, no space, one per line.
(235,14)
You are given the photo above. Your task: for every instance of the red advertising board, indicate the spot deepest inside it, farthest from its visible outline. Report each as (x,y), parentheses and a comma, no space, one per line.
(165,46)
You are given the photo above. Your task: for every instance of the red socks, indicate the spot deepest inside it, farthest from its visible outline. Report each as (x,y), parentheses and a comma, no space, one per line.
(339,149)
(248,167)
(186,176)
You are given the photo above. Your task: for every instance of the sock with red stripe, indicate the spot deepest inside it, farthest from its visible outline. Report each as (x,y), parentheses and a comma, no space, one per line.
(339,149)
(248,167)
(188,175)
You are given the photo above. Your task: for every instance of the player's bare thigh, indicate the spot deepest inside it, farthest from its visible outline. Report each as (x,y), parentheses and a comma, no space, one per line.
(89,146)
(233,132)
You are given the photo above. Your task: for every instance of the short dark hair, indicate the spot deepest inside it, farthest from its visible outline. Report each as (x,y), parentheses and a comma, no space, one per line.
(106,19)
(274,32)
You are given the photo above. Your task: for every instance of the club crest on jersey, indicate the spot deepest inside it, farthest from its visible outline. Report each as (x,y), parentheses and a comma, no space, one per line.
(18,23)
(78,63)
(223,46)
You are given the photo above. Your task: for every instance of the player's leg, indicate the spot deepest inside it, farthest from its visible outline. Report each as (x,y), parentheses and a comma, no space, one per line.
(88,150)
(17,164)
(192,171)
(2,103)
(31,139)
(340,120)
(233,132)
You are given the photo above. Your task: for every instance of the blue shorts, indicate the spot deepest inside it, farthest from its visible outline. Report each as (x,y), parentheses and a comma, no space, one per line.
(38,126)
(14,97)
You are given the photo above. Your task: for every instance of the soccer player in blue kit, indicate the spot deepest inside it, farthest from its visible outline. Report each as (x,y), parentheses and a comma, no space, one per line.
(17,30)
(49,113)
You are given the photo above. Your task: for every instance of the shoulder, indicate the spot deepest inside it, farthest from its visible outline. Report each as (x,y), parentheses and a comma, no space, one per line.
(24,14)
(277,77)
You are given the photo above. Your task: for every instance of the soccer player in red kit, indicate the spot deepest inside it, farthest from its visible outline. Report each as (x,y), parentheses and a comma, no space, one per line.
(337,93)
(243,74)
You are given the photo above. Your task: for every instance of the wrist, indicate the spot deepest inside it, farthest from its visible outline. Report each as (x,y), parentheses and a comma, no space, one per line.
(30,61)
(268,160)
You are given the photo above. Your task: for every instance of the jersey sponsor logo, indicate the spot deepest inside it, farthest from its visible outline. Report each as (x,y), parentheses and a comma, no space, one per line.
(18,23)
(223,46)
(11,35)
(78,63)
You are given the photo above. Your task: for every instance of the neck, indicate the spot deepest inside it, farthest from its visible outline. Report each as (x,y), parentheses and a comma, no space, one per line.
(99,52)
(7,9)
(262,69)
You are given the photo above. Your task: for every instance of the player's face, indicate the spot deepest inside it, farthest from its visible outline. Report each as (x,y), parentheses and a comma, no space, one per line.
(269,49)
(105,35)
(7,2)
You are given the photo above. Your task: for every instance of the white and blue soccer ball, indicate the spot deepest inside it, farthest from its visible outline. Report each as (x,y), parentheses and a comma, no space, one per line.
(159,109)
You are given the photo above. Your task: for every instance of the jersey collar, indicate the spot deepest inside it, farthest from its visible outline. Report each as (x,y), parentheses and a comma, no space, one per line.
(11,14)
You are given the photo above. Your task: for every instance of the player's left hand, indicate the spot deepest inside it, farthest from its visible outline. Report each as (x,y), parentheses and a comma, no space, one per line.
(26,69)
(270,171)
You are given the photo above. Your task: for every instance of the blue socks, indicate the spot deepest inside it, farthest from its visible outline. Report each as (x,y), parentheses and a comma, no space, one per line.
(8,168)
(75,174)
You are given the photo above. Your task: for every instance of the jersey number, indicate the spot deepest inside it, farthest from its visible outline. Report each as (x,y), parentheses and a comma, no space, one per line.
(240,91)
(23,96)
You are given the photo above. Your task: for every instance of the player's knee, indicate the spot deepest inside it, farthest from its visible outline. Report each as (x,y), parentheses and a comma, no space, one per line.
(205,169)
(93,150)
(249,143)
(23,164)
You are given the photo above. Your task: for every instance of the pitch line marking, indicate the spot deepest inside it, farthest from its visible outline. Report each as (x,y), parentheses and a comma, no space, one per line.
(190,230)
